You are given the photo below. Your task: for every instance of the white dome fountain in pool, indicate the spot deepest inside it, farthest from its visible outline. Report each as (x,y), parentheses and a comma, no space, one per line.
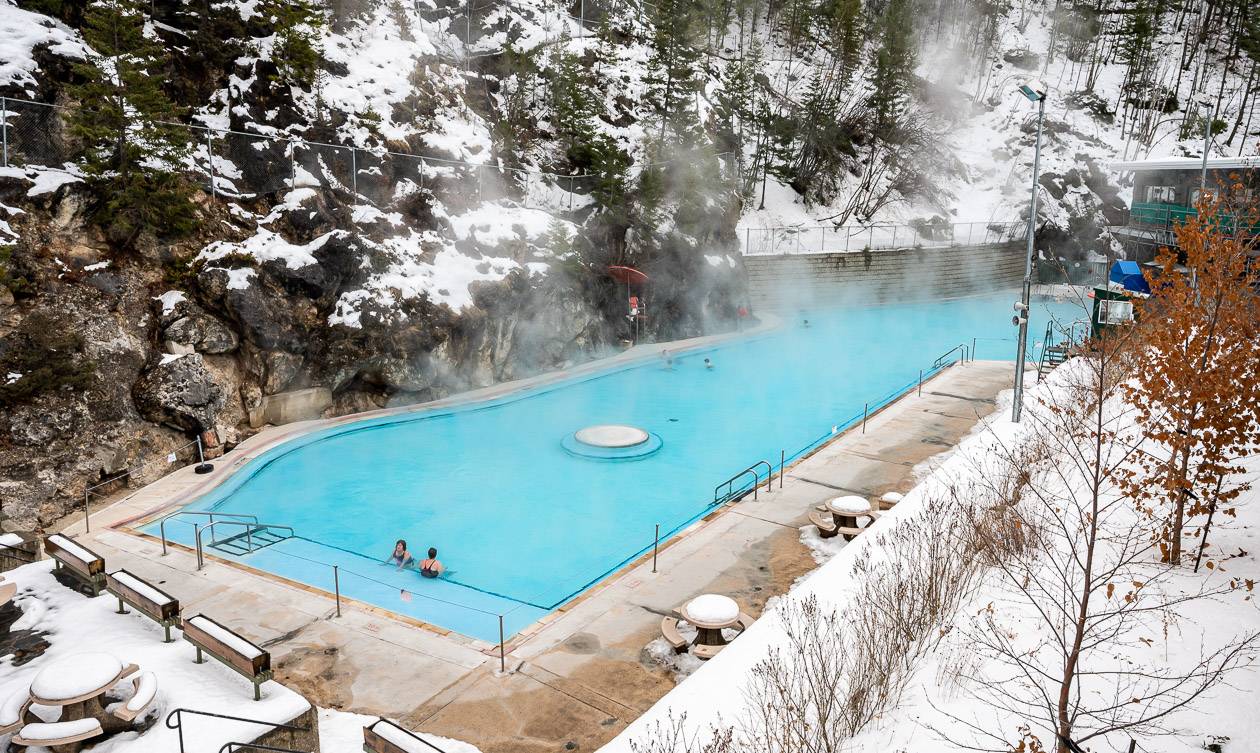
(612,442)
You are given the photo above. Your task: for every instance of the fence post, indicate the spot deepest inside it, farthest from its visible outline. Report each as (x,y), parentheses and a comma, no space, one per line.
(4,127)
(894,240)
(502,660)
(354,171)
(920,383)
(210,159)
(656,543)
(197,541)
(570,194)
(292,164)
(422,170)
(782,457)
(866,408)
(337,589)
(87,519)
(973,350)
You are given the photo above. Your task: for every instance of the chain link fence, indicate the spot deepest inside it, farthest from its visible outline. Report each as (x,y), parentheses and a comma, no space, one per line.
(777,241)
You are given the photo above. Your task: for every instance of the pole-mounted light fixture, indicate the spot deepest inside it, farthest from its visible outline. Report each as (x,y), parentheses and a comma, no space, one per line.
(1035,91)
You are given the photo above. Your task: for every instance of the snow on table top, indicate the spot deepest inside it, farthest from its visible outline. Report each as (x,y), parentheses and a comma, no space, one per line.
(146,689)
(10,539)
(57,730)
(226,637)
(70,547)
(75,675)
(712,609)
(140,587)
(849,505)
(893,497)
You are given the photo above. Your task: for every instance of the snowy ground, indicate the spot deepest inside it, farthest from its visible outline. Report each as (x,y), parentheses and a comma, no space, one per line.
(932,712)
(74,624)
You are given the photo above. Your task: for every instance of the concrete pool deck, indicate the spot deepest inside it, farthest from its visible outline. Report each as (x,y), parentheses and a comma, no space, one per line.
(581,674)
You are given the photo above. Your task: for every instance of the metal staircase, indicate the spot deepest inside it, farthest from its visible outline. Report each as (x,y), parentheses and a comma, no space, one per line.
(1054,353)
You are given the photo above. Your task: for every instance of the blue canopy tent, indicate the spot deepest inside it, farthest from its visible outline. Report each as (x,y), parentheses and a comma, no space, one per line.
(1128,274)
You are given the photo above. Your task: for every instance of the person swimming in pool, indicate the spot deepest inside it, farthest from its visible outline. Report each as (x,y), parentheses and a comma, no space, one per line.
(708,364)
(400,556)
(431,567)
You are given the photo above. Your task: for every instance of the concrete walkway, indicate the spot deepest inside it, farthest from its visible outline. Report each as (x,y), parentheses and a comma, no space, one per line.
(581,675)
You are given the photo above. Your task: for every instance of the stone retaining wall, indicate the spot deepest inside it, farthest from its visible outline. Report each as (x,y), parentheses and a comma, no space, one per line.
(810,280)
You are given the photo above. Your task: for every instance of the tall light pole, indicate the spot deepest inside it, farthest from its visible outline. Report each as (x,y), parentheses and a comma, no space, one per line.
(1035,91)
(1207,142)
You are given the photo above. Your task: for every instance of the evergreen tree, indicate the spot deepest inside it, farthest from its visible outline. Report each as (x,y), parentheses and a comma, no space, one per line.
(672,80)
(132,149)
(296,53)
(573,101)
(842,26)
(893,67)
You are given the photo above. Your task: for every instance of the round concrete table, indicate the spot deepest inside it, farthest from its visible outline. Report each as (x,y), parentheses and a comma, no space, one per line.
(846,510)
(710,614)
(77,683)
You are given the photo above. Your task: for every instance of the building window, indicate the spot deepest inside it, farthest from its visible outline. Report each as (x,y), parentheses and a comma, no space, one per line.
(1161,194)
(1115,312)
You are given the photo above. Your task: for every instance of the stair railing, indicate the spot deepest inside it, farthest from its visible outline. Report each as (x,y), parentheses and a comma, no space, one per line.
(729,484)
(249,527)
(211,515)
(175,721)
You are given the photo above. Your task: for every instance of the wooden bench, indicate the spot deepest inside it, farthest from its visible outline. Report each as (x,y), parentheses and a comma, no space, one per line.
(145,598)
(78,561)
(705,651)
(230,648)
(669,629)
(384,736)
(143,693)
(48,735)
(13,710)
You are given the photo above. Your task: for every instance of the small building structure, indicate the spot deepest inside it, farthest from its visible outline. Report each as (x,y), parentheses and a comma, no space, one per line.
(1165,191)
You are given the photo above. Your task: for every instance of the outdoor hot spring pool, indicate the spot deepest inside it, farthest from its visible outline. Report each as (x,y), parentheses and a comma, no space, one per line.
(522,524)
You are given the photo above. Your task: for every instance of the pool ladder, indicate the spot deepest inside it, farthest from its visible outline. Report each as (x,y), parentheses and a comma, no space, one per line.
(252,536)
(731,492)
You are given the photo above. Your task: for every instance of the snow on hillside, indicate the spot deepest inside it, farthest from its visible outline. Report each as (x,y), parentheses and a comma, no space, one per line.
(21,32)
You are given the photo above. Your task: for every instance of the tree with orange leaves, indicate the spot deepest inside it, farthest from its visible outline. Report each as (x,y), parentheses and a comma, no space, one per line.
(1197,384)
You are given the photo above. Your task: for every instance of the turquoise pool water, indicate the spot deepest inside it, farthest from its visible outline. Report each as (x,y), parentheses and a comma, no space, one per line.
(523,525)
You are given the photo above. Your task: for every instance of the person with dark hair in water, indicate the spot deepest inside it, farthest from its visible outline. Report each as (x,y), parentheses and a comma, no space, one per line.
(431,567)
(400,556)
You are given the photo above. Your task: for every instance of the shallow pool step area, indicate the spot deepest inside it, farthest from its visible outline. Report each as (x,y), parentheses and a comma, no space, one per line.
(249,541)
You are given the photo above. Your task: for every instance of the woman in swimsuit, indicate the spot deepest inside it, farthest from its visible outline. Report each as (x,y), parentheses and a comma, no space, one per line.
(400,555)
(431,568)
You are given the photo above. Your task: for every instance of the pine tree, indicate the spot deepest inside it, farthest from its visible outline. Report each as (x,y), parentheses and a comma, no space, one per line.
(893,67)
(573,101)
(296,53)
(672,79)
(842,25)
(132,149)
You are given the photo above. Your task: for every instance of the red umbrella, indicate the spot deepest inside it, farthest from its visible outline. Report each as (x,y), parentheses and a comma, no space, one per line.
(628,275)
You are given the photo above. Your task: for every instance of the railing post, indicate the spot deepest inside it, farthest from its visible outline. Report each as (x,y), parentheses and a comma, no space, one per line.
(866,407)
(354,171)
(782,457)
(656,543)
(4,128)
(197,536)
(894,240)
(973,350)
(210,160)
(502,658)
(337,589)
(920,382)
(87,518)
